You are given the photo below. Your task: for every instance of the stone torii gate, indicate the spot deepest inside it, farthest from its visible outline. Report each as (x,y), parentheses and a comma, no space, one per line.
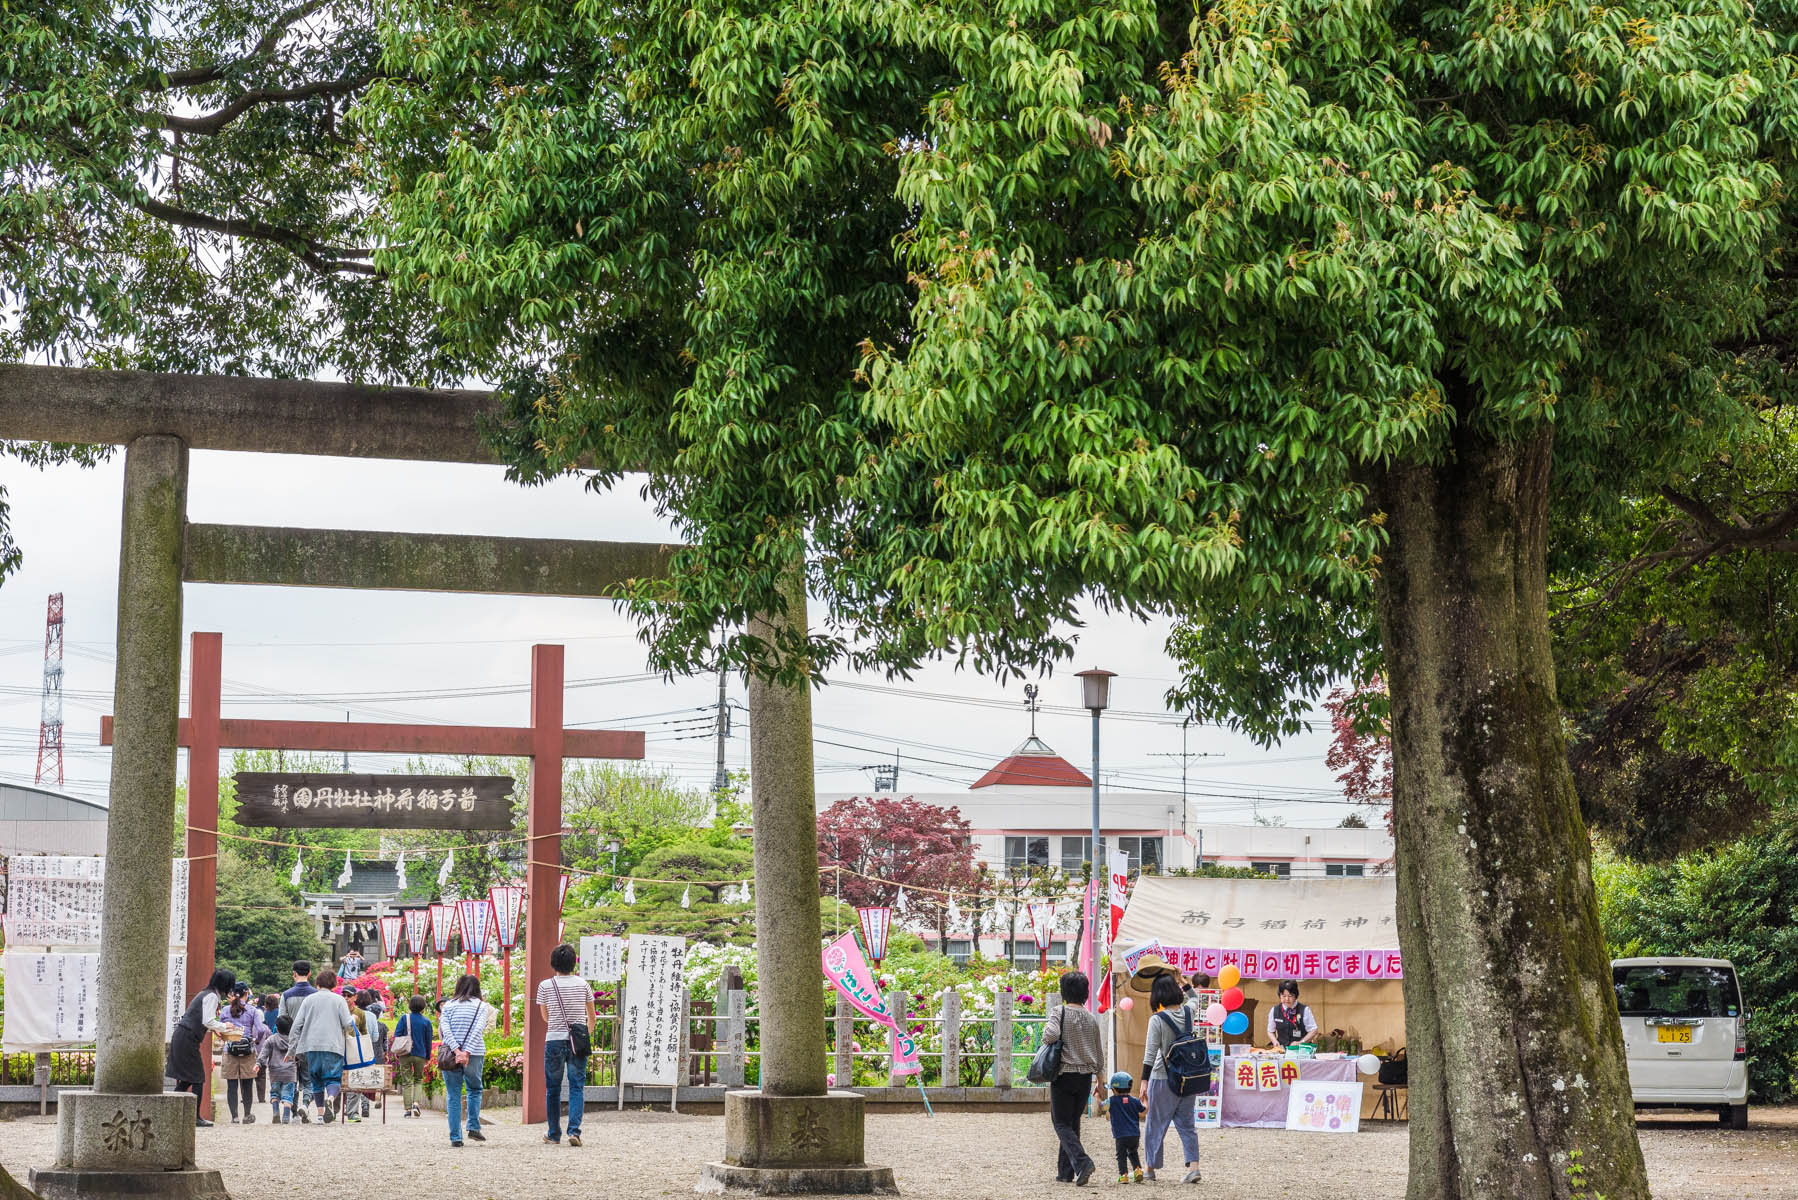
(788,1136)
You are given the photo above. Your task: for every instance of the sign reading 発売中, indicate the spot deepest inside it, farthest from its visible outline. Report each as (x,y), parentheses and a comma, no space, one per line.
(314,800)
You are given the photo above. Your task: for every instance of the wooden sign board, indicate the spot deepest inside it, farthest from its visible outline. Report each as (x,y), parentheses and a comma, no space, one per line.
(295,800)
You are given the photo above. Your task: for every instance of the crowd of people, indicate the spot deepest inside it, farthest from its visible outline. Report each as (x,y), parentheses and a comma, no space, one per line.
(317,1051)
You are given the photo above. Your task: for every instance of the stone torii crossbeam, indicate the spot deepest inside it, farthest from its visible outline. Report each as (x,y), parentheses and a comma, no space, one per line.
(158,418)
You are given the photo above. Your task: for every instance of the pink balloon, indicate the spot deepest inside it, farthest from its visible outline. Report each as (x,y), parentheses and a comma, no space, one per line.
(1215,1013)
(1126,1004)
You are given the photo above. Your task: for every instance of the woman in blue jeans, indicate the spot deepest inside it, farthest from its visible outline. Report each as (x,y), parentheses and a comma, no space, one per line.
(462,1027)
(563,1000)
(1175,1017)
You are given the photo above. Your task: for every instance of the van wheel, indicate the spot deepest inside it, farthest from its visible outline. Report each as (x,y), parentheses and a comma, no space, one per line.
(1735,1116)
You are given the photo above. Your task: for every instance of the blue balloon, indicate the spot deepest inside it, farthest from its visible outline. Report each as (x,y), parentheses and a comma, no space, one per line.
(1236,1022)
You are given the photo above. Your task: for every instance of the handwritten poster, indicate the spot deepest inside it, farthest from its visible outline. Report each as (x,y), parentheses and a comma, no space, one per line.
(1324,1108)
(57,900)
(602,959)
(652,1009)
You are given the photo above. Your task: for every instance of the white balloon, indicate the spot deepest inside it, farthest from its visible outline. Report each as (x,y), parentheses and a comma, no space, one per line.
(1369,1064)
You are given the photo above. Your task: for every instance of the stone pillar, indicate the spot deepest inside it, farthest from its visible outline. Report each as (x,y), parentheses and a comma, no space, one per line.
(951,1061)
(1002,1059)
(134,932)
(845,1054)
(125,1137)
(790,1137)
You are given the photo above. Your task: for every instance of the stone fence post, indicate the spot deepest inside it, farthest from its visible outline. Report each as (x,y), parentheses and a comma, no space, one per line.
(951,1060)
(895,1002)
(845,1053)
(734,1030)
(1002,1040)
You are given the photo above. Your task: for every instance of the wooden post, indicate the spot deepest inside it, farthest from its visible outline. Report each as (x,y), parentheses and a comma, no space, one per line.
(845,1044)
(543,898)
(951,1057)
(1002,1040)
(205,685)
(895,1002)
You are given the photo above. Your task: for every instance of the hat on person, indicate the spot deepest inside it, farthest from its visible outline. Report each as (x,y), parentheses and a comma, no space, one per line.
(1121,1081)
(240,988)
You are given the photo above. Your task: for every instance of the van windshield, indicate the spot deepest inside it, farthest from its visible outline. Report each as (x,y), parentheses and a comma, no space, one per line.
(1676,991)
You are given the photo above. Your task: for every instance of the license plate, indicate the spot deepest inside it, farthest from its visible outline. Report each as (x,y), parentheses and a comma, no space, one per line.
(1674,1033)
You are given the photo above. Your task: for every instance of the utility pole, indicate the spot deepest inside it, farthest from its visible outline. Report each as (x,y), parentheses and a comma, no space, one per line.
(721,728)
(346,753)
(1185,756)
(49,730)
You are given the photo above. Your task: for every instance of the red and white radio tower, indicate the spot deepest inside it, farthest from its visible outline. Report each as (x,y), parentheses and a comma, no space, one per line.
(49,731)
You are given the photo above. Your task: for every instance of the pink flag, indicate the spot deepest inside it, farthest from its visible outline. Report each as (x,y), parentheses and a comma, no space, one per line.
(847,967)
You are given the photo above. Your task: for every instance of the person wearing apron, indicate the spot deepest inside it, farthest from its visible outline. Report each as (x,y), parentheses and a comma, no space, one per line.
(185,1065)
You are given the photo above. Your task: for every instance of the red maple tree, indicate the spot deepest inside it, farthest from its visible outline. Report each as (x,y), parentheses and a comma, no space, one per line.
(1361,746)
(884,844)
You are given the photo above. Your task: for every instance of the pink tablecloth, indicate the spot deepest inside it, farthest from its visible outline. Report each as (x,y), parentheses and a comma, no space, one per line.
(1267,1110)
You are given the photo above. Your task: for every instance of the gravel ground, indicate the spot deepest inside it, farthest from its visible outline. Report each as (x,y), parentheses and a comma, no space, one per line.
(954,1156)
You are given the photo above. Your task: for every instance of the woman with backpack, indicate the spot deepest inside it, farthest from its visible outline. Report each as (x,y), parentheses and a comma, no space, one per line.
(1076,1030)
(1176,1070)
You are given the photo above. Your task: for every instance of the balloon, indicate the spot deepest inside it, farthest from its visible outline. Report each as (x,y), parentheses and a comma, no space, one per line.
(1215,1013)
(1232,999)
(1236,1022)
(1369,1064)
(1126,1004)
(1229,977)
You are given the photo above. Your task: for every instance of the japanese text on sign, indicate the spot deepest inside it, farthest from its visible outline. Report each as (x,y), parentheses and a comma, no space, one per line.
(652,1009)
(602,959)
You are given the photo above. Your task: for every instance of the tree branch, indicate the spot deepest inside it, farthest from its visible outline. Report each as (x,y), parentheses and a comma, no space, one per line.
(214,121)
(319,256)
(1728,535)
(195,76)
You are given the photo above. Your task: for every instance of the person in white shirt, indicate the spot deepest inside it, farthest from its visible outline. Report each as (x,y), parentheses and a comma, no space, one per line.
(184,1064)
(563,999)
(462,1025)
(1289,1022)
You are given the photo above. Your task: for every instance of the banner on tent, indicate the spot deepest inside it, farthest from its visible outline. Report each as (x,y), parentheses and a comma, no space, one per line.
(1289,964)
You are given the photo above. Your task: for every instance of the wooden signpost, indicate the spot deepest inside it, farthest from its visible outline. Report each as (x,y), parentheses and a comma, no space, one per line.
(293,800)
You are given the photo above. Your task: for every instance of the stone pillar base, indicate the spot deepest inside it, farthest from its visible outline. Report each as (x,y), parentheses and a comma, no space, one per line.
(794,1146)
(120,1146)
(56,1184)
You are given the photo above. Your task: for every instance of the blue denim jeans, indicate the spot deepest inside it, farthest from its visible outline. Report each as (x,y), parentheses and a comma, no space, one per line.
(556,1061)
(325,1071)
(1168,1108)
(282,1093)
(469,1076)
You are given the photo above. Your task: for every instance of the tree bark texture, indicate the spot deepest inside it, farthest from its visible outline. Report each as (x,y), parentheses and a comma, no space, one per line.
(789,929)
(1518,1083)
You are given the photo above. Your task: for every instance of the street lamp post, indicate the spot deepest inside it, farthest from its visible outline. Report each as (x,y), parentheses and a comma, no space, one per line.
(1095,695)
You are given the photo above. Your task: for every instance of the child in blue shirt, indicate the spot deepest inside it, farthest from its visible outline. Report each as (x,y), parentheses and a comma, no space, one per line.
(1126,1112)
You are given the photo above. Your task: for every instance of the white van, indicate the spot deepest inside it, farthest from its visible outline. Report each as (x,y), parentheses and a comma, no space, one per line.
(1685,1032)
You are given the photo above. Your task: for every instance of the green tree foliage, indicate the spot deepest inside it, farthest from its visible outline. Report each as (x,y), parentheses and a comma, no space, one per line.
(181,192)
(1676,639)
(640,809)
(261,927)
(1287,318)
(1738,902)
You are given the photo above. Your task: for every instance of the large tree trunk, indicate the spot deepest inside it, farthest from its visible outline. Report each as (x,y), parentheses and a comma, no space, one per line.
(1518,1083)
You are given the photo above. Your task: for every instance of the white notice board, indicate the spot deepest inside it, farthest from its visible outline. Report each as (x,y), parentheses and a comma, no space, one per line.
(57,900)
(602,959)
(652,1009)
(53,1000)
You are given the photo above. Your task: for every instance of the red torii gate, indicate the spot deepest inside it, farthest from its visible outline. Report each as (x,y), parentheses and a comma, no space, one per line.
(204,733)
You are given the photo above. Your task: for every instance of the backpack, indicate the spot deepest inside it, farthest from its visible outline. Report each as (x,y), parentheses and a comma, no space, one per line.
(1188,1060)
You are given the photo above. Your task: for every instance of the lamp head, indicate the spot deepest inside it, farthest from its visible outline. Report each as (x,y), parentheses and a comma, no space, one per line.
(1095,688)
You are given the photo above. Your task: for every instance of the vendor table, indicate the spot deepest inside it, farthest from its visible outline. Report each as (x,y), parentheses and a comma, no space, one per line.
(1267,1109)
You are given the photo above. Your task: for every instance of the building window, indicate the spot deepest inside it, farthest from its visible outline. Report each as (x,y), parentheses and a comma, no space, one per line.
(1282,869)
(1349,870)
(1022,852)
(960,949)
(1076,852)
(1143,852)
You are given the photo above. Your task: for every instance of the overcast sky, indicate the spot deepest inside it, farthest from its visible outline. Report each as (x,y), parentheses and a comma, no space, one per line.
(396,656)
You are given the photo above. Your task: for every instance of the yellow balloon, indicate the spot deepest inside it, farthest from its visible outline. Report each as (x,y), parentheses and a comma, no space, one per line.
(1229,977)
